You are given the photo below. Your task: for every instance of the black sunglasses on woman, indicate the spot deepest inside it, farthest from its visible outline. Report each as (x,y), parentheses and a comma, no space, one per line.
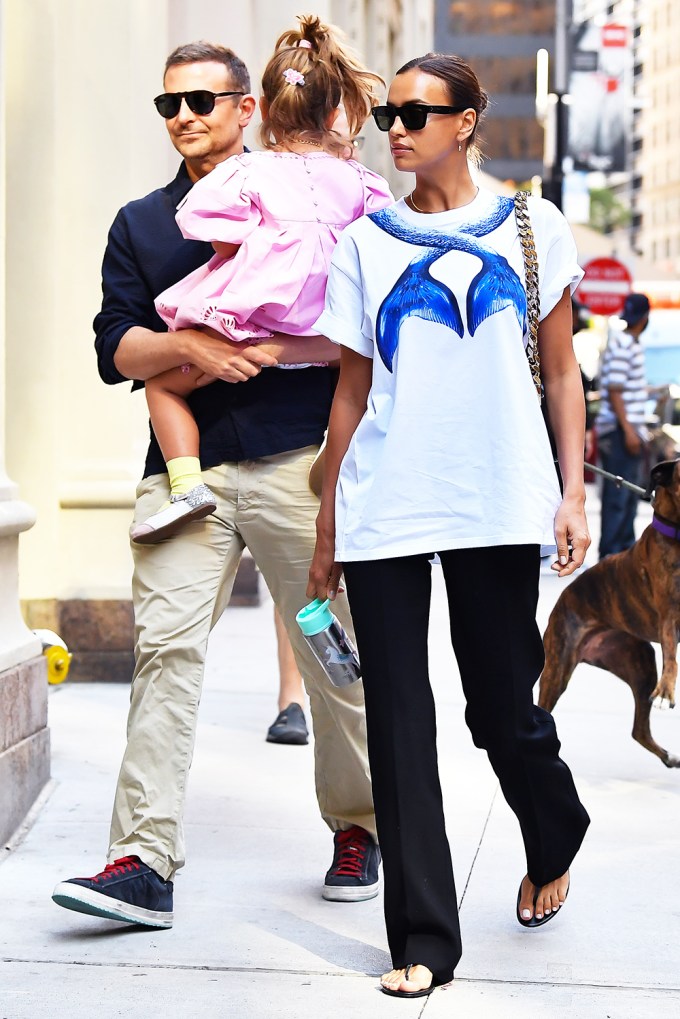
(412,115)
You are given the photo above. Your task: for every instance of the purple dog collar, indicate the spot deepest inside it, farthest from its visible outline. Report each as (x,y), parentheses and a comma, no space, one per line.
(666,527)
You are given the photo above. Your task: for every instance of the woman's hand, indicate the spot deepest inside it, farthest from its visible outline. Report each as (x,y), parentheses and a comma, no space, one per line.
(324,572)
(571,535)
(567,413)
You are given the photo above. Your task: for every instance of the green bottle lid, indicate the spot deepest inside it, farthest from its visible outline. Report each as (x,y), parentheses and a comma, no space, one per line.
(315,617)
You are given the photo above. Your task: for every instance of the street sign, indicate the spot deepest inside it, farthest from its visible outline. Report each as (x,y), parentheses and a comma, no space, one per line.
(600,96)
(605,286)
(615,35)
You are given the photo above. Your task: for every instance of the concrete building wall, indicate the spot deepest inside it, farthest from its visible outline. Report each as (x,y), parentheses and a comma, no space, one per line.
(24,737)
(659,164)
(81,140)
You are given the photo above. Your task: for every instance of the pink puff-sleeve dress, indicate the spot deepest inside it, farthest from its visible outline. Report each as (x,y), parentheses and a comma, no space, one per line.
(286,211)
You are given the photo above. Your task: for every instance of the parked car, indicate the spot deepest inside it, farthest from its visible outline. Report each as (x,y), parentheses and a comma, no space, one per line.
(662,365)
(661,339)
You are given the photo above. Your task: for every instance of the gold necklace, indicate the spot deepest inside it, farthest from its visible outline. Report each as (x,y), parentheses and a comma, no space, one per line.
(411,199)
(426,212)
(306,141)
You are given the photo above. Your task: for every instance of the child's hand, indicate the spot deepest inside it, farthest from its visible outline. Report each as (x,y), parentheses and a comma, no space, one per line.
(224,249)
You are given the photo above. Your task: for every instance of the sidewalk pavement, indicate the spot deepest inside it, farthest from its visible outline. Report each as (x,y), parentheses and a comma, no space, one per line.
(252,935)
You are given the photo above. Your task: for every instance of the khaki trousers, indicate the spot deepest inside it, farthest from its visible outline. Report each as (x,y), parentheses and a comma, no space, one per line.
(180,588)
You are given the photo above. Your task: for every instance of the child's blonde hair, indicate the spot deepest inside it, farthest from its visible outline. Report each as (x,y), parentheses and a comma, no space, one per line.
(331,75)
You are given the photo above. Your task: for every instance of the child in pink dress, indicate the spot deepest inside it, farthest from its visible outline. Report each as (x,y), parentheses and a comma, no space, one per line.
(274,218)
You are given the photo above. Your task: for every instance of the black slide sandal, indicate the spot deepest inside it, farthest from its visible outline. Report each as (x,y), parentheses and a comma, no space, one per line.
(409,994)
(546,916)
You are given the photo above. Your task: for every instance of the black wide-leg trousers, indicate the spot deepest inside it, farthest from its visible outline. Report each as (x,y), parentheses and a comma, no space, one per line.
(492,595)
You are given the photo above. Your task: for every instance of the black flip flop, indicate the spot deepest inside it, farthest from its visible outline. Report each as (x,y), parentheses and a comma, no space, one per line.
(409,994)
(546,916)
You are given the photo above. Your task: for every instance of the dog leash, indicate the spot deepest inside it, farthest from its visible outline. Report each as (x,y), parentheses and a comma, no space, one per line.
(617,479)
(669,528)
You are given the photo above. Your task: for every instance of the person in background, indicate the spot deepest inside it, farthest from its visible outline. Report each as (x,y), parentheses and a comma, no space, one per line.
(290,725)
(620,424)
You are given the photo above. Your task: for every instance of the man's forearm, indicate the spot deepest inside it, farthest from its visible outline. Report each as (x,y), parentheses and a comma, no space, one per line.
(142,353)
(618,405)
(301,349)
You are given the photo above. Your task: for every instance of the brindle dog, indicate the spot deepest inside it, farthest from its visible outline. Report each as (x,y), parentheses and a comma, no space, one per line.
(610,615)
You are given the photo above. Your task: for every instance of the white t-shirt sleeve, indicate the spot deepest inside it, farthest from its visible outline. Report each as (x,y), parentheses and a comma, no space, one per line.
(557,257)
(343,316)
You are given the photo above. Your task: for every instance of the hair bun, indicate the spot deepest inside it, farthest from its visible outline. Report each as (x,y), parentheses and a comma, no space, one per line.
(312,31)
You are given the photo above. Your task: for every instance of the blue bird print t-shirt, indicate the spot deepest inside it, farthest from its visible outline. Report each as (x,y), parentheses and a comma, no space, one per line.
(452,451)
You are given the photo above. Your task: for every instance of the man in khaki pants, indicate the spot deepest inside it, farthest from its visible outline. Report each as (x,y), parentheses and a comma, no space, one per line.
(260,431)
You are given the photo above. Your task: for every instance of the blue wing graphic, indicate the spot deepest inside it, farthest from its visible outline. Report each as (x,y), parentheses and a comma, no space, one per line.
(416,294)
(495,287)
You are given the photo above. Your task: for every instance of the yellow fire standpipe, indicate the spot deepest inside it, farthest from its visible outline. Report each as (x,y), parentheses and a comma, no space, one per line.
(57,654)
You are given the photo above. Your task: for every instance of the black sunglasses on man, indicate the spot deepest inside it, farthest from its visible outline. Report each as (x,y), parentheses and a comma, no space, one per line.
(199,101)
(412,115)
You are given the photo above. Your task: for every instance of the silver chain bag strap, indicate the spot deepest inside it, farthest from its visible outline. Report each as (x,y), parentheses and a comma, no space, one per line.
(526,237)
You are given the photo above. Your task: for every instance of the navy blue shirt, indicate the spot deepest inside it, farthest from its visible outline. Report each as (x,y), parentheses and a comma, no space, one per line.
(277,411)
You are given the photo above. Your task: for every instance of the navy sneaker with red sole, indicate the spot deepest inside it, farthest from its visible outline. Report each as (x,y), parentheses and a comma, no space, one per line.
(353,875)
(126,890)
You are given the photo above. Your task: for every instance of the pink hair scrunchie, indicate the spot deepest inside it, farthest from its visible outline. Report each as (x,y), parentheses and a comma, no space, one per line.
(304,44)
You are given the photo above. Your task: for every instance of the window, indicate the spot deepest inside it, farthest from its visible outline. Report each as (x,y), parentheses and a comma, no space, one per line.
(501,17)
(513,75)
(512,138)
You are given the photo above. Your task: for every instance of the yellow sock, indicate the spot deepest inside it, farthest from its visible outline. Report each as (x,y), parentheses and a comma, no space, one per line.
(184,473)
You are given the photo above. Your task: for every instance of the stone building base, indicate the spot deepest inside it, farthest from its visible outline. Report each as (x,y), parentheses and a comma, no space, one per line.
(24,742)
(100,633)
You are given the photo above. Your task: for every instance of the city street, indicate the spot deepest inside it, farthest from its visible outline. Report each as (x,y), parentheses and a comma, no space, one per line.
(252,935)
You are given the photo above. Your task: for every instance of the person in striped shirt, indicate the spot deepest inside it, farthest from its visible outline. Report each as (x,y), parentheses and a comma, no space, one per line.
(620,424)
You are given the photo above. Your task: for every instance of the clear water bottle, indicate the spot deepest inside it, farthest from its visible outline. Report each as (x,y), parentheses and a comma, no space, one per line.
(329,642)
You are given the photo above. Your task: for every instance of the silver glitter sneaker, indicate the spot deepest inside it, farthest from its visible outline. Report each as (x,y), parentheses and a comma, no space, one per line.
(193,505)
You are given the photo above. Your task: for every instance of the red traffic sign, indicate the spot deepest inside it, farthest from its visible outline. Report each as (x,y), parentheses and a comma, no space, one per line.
(605,286)
(614,35)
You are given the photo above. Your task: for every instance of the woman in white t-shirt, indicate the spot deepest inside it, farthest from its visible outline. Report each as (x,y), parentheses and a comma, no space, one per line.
(437,444)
